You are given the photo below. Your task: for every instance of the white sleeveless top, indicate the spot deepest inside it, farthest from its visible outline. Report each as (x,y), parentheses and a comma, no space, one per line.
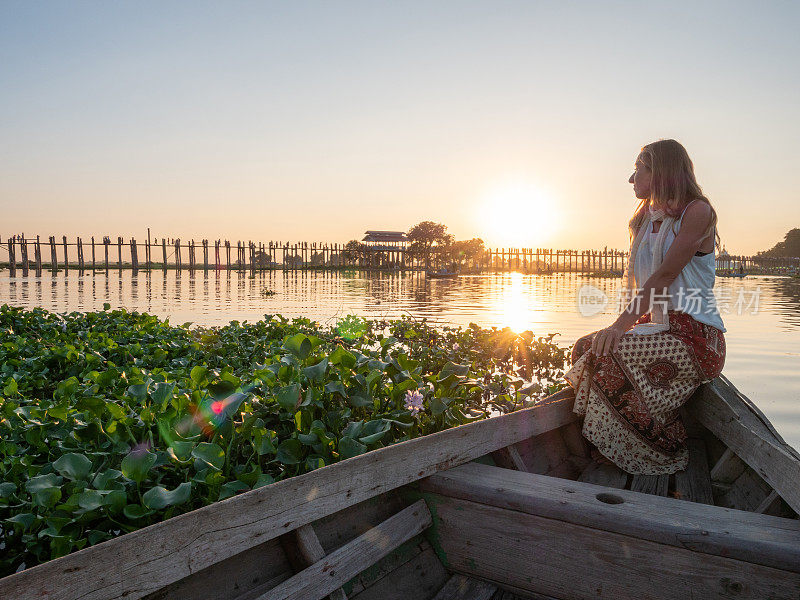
(692,290)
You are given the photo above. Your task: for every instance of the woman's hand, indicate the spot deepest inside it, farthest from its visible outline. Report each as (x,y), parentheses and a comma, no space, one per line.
(606,340)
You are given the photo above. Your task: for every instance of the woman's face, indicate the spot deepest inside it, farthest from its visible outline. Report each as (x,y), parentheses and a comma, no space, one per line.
(641,179)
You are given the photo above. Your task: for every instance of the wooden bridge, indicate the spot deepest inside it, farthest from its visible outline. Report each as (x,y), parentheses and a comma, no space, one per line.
(26,256)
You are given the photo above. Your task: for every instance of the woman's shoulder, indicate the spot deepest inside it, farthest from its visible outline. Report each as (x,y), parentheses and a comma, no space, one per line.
(698,212)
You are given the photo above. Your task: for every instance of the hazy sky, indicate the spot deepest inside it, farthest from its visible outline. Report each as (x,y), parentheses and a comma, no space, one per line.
(319,120)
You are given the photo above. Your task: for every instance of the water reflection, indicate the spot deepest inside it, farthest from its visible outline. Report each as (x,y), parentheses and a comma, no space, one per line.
(763,358)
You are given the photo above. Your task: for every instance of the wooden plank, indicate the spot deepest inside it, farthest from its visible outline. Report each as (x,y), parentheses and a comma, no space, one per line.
(566,560)
(762,539)
(604,474)
(416,578)
(723,411)
(146,560)
(310,551)
(256,570)
(341,565)
(770,504)
(658,485)
(335,530)
(747,492)
(509,458)
(460,587)
(694,484)
(728,467)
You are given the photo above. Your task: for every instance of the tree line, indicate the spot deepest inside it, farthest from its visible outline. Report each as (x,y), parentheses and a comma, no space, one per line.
(430,243)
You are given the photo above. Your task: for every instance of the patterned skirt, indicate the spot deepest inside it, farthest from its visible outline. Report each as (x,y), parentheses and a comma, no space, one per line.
(630,399)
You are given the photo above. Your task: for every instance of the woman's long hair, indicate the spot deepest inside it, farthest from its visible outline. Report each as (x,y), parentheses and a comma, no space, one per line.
(673,184)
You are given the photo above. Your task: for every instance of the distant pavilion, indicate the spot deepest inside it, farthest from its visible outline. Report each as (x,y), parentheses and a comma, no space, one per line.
(386,248)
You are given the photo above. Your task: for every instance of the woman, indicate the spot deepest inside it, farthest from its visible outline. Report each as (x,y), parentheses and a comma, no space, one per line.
(631,378)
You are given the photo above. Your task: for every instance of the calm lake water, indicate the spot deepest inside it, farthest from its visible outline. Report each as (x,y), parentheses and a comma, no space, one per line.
(761,314)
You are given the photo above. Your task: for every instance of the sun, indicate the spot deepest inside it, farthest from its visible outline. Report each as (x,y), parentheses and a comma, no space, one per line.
(518,214)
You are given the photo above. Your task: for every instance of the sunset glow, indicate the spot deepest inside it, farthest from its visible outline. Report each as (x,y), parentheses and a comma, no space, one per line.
(518,214)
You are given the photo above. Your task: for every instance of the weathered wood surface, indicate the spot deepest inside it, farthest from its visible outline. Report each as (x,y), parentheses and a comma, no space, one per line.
(510,458)
(761,539)
(252,572)
(310,551)
(338,567)
(746,493)
(604,474)
(728,467)
(694,484)
(461,587)
(146,560)
(334,531)
(729,416)
(566,560)
(417,578)
(658,485)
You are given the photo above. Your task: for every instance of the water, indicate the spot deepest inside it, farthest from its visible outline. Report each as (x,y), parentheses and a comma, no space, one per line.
(761,314)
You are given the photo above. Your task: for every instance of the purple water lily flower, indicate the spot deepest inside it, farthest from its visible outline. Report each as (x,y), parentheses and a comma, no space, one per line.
(413,401)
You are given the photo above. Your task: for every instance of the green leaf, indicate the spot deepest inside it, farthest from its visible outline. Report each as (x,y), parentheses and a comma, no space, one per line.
(317,371)
(374,431)
(438,405)
(343,357)
(348,447)
(289,397)
(159,497)
(47,497)
(199,376)
(138,392)
(136,511)
(7,488)
(41,482)
(299,345)
(265,440)
(137,464)
(454,369)
(210,454)
(336,387)
(359,401)
(232,488)
(103,480)
(90,500)
(23,519)
(162,394)
(73,466)
(10,387)
(290,452)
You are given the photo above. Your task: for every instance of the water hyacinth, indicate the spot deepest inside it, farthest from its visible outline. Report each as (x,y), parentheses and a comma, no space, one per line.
(114,420)
(413,402)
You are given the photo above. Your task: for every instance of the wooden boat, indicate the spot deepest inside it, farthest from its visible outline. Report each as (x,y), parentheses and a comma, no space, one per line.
(441,274)
(506,508)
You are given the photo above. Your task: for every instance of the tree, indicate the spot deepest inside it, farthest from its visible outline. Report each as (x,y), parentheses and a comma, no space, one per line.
(263,259)
(465,250)
(353,250)
(789,247)
(426,236)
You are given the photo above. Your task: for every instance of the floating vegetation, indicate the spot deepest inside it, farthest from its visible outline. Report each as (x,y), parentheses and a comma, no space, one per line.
(114,420)
(603,274)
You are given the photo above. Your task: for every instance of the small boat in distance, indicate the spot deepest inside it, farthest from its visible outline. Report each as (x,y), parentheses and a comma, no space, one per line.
(441,274)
